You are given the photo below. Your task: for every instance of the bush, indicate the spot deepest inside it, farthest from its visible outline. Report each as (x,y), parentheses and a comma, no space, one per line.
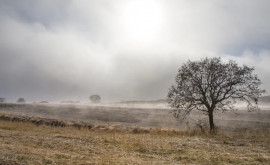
(21,100)
(95,98)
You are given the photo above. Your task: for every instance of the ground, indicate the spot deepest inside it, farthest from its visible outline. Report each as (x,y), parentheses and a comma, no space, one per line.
(26,143)
(26,139)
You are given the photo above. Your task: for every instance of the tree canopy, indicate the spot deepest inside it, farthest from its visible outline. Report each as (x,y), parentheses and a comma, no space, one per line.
(21,100)
(210,85)
(95,98)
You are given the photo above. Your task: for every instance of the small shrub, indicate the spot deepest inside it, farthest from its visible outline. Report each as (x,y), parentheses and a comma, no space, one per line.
(140,130)
(21,100)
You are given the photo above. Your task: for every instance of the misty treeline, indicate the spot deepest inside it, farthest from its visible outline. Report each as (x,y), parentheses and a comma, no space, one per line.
(210,85)
(20,100)
(93,98)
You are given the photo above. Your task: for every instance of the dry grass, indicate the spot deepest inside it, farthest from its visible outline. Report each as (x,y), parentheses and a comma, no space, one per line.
(24,142)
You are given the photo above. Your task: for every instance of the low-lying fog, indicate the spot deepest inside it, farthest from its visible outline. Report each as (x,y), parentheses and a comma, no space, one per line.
(138,114)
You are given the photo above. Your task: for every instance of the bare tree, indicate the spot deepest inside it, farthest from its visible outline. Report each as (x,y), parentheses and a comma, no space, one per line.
(209,85)
(95,98)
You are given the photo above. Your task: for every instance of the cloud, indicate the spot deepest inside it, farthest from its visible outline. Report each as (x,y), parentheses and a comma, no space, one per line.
(72,49)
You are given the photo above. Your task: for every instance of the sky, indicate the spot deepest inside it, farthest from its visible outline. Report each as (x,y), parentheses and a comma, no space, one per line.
(123,49)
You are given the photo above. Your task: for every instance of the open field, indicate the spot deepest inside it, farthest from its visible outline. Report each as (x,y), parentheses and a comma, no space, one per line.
(26,143)
(84,134)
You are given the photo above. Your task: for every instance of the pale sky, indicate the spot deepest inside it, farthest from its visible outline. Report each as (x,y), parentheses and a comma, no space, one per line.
(122,49)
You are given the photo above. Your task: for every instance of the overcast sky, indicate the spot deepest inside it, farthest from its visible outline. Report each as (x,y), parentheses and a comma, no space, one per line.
(122,49)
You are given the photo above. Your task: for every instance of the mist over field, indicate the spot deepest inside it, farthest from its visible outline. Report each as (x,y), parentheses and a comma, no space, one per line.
(54,55)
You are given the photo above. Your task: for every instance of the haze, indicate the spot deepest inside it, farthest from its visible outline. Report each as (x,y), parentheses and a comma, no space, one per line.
(122,49)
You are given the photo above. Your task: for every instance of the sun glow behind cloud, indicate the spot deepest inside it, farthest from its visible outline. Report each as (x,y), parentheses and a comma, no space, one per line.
(141,22)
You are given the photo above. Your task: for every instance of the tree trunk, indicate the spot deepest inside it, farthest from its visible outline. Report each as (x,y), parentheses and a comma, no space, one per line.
(211,121)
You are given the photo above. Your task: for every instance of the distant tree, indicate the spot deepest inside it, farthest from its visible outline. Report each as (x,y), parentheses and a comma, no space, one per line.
(21,100)
(2,99)
(95,98)
(209,85)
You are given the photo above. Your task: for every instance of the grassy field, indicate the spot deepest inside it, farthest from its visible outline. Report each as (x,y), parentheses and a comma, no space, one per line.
(25,142)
